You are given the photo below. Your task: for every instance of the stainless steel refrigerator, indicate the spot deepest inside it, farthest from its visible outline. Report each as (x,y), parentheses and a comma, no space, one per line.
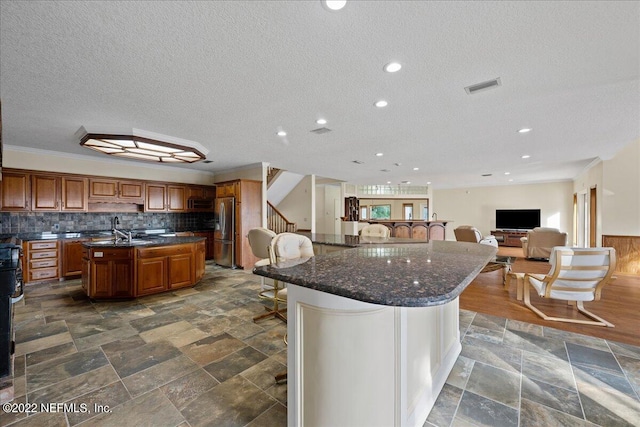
(224,233)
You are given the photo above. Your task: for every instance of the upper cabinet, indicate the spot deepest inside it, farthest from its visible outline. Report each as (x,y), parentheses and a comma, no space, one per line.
(16,191)
(107,190)
(28,190)
(165,198)
(58,193)
(74,194)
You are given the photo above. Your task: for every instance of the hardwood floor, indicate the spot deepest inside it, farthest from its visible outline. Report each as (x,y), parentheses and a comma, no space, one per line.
(620,302)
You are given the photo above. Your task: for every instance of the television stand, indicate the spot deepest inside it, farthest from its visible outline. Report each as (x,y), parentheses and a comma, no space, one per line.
(509,237)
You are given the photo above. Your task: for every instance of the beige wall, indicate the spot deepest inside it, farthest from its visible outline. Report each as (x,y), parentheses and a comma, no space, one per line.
(254,172)
(477,206)
(299,204)
(621,192)
(15,157)
(617,183)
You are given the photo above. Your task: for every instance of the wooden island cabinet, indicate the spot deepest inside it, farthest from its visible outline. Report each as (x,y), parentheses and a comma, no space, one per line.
(134,270)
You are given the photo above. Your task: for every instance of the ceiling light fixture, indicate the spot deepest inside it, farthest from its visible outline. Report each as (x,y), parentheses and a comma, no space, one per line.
(416,169)
(428,182)
(507,173)
(321,121)
(524,130)
(334,5)
(281,133)
(388,182)
(136,144)
(526,156)
(392,67)
(379,154)
(381,104)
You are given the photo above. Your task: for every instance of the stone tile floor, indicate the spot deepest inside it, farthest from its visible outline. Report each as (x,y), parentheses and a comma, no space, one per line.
(195,358)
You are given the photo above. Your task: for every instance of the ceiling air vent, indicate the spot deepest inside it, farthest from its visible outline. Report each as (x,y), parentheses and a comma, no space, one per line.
(208,161)
(320,131)
(358,162)
(483,86)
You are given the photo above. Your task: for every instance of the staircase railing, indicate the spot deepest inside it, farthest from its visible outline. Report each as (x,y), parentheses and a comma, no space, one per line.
(277,222)
(271,173)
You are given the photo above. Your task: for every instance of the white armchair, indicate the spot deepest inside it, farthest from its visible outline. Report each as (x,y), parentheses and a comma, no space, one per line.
(576,275)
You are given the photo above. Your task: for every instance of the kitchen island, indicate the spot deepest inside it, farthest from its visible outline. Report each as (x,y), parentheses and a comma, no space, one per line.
(373,330)
(129,269)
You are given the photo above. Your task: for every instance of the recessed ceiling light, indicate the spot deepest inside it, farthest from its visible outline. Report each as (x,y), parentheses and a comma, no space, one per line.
(334,5)
(382,103)
(379,154)
(428,182)
(388,182)
(526,156)
(282,133)
(507,173)
(392,67)
(416,169)
(406,182)
(321,121)
(524,130)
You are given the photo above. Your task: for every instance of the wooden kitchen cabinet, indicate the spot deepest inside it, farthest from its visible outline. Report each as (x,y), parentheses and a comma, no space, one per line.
(58,193)
(165,198)
(74,194)
(248,215)
(41,260)
(208,244)
(16,191)
(200,256)
(176,198)
(72,253)
(163,268)
(116,191)
(108,272)
(45,193)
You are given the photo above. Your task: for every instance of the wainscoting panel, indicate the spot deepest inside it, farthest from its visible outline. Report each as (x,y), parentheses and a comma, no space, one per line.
(627,252)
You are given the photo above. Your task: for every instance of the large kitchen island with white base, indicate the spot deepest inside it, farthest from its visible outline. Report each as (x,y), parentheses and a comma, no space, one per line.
(373,330)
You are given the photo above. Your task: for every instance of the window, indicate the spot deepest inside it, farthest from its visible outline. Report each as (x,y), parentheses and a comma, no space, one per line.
(381,212)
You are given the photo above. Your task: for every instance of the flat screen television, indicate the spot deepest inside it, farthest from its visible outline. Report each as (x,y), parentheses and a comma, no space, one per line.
(517,219)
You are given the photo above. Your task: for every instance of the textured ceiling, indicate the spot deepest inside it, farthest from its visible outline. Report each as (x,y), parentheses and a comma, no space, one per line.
(230,74)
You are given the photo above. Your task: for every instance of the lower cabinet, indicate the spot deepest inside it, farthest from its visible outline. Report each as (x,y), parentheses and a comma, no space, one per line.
(108,273)
(164,268)
(72,258)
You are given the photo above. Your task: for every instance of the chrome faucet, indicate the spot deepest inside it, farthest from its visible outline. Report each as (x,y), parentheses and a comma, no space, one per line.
(434,216)
(119,233)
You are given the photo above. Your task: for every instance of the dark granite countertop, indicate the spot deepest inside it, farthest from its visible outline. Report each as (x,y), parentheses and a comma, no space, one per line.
(406,275)
(356,241)
(145,233)
(146,242)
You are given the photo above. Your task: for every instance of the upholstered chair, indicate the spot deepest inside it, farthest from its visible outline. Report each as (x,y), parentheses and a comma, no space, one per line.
(375,230)
(541,240)
(468,233)
(576,275)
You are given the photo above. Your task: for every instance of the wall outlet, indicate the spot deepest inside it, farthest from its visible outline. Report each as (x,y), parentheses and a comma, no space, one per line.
(56,227)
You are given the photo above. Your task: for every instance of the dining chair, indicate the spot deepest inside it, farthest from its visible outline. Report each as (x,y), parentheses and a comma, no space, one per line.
(260,241)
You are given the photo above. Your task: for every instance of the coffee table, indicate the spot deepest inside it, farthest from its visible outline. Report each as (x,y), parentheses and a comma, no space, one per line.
(500,262)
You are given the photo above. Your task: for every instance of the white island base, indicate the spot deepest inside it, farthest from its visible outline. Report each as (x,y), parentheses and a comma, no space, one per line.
(352,363)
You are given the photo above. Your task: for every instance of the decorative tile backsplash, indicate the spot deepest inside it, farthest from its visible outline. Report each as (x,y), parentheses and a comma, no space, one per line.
(38,222)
